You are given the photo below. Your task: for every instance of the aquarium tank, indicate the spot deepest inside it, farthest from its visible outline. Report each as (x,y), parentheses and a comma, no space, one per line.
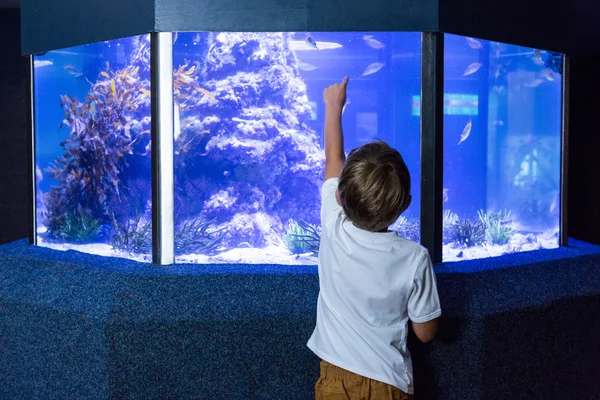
(502,148)
(248,139)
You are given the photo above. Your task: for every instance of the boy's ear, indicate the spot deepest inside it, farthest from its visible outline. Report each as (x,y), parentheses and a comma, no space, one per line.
(337,197)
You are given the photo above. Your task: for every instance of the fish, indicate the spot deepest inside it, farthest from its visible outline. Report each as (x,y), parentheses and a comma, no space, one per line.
(472,68)
(113,88)
(300,45)
(345,105)
(466,132)
(106,66)
(41,63)
(445,194)
(71,69)
(548,74)
(497,72)
(176,121)
(372,42)
(555,203)
(537,57)
(306,66)
(38,174)
(310,41)
(175,37)
(372,68)
(146,92)
(206,93)
(534,83)
(196,38)
(473,43)
(104,74)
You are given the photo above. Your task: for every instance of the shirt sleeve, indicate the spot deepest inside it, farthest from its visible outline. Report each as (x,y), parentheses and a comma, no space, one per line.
(424,303)
(329,202)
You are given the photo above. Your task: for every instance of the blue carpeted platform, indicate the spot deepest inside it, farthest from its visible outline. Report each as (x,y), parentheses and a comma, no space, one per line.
(76,326)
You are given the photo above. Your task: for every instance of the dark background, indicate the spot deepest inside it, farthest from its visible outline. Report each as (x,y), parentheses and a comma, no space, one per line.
(584,148)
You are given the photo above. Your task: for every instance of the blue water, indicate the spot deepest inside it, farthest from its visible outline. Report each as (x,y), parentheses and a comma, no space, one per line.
(249,140)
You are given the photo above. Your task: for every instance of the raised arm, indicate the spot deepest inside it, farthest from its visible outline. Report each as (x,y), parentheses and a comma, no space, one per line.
(335,98)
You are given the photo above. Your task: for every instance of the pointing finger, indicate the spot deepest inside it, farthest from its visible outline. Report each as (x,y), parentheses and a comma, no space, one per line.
(345,81)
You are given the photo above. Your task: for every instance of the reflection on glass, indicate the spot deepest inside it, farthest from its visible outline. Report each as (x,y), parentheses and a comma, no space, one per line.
(501,148)
(92,129)
(249,135)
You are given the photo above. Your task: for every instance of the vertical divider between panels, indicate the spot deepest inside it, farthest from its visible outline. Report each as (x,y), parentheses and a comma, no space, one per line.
(564,163)
(31,173)
(161,69)
(432,135)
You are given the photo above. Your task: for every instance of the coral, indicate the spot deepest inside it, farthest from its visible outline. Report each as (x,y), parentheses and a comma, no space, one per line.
(407,228)
(199,237)
(244,154)
(107,128)
(301,237)
(466,233)
(79,228)
(449,220)
(498,226)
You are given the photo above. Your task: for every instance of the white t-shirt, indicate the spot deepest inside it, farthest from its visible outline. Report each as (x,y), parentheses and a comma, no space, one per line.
(371,283)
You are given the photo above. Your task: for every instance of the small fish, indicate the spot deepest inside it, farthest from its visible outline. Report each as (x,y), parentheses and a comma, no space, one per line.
(534,83)
(472,68)
(196,38)
(41,63)
(466,132)
(113,88)
(206,93)
(71,69)
(104,74)
(445,194)
(175,37)
(226,173)
(345,105)
(106,66)
(555,203)
(146,92)
(497,73)
(474,44)
(310,41)
(499,123)
(537,57)
(372,42)
(306,66)
(373,68)
(548,75)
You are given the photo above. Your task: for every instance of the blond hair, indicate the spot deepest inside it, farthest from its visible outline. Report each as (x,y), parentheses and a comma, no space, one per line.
(374,186)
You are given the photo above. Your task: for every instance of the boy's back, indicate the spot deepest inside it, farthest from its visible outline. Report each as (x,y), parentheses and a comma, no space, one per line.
(367,294)
(372,282)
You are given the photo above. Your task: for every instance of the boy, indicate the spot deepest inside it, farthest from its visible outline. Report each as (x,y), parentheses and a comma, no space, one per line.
(371,280)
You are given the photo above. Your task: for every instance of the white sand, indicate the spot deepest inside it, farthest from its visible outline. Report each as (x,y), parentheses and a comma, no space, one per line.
(453,252)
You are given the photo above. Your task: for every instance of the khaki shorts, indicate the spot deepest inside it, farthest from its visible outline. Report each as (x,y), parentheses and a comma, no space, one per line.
(336,383)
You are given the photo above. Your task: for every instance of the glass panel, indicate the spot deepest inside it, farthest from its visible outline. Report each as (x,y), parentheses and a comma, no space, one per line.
(249,135)
(502,130)
(92,121)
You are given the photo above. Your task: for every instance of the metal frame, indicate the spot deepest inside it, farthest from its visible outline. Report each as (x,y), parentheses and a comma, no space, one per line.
(32,180)
(161,67)
(564,163)
(432,142)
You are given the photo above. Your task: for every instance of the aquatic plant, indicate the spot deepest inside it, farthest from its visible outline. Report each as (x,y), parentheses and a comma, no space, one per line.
(301,237)
(133,236)
(198,236)
(407,228)
(79,228)
(104,132)
(467,233)
(450,219)
(498,226)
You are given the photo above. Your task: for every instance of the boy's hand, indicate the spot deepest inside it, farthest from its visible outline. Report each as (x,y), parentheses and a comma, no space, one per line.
(335,95)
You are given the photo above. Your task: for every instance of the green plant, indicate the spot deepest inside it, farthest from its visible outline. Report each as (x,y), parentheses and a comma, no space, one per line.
(498,226)
(466,233)
(196,236)
(78,228)
(133,236)
(301,237)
